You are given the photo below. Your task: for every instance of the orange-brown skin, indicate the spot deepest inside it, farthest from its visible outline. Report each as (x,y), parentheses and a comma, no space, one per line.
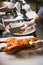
(13,44)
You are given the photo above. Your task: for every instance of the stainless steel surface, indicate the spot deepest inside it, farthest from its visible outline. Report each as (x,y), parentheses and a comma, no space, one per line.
(10,20)
(20,59)
(14,27)
(2,13)
(27,31)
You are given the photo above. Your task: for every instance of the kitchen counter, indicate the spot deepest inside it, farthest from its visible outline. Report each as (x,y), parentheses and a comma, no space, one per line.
(20,59)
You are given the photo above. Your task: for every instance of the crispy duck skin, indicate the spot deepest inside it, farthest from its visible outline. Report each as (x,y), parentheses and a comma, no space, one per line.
(15,45)
(20,31)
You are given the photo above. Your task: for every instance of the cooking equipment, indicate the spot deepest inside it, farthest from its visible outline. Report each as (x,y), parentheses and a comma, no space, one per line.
(27,31)
(19,18)
(14,29)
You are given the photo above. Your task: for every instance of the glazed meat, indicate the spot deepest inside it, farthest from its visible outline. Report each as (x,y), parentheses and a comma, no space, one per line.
(20,31)
(15,45)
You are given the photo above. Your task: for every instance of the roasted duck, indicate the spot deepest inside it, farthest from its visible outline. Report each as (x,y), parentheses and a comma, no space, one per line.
(15,45)
(20,31)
